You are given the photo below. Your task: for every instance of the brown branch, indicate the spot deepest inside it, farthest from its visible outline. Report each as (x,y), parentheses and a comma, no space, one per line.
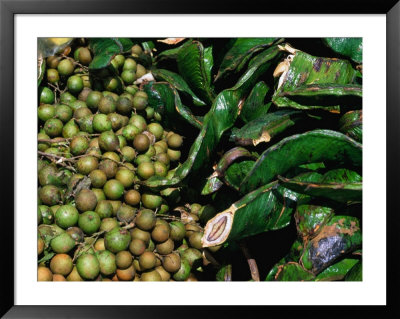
(251,261)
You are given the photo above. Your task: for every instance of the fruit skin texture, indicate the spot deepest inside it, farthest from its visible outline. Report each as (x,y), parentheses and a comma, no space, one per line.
(63,243)
(89,222)
(61,264)
(172,262)
(44,274)
(108,141)
(88,266)
(147,260)
(150,276)
(66,216)
(75,84)
(107,262)
(117,240)
(86,200)
(113,189)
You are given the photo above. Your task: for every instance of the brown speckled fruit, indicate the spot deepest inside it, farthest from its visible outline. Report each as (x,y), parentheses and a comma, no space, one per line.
(44,274)
(172,262)
(146,219)
(85,200)
(61,264)
(147,260)
(161,233)
(123,259)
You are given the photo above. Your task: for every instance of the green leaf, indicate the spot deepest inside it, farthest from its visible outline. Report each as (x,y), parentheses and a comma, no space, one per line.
(192,66)
(309,147)
(310,219)
(240,52)
(293,272)
(41,70)
(350,47)
(219,119)
(104,50)
(46,257)
(355,273)
(340,185)
(237,172)
(178,82)
(309,80)
(254,106)
(165,100)
(351,125)
(340,236)
(170,54)
(338,270)
(208,62)
(265,127)
(267,208)
(324,95)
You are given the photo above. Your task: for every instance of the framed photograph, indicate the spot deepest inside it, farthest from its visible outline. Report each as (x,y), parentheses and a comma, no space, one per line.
(246,150)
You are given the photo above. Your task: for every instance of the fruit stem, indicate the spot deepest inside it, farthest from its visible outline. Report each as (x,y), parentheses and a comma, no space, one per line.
(251,261)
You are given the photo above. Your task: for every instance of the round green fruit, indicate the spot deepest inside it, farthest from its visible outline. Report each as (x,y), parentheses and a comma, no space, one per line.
(113,189)
(53,127)
(66,216)
(65,67)
(101,123)
(108,141)
(46,112)
(117,240)
(46,95)
(62,243)
(89,222)
(88,266)
(151,200)
(107,262)
(75,84)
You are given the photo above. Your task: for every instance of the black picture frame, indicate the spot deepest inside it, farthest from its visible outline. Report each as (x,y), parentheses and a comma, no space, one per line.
(9,8)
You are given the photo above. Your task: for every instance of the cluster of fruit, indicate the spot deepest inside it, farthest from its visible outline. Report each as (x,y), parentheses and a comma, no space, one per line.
(98,139)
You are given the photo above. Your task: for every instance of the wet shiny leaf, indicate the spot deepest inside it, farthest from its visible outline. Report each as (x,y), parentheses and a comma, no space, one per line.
(350,47)
(351,124)
(265,127)
(309,147)
(178,82)
(254,106)
(104,50)
(338,270)
(218,120)
(355,273)
(269,207)
(340,185)
(165,100)
(309,80)
(241,51)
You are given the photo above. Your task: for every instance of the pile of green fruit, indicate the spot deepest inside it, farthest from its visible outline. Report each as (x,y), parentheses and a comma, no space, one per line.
(200,159)
(96,144)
